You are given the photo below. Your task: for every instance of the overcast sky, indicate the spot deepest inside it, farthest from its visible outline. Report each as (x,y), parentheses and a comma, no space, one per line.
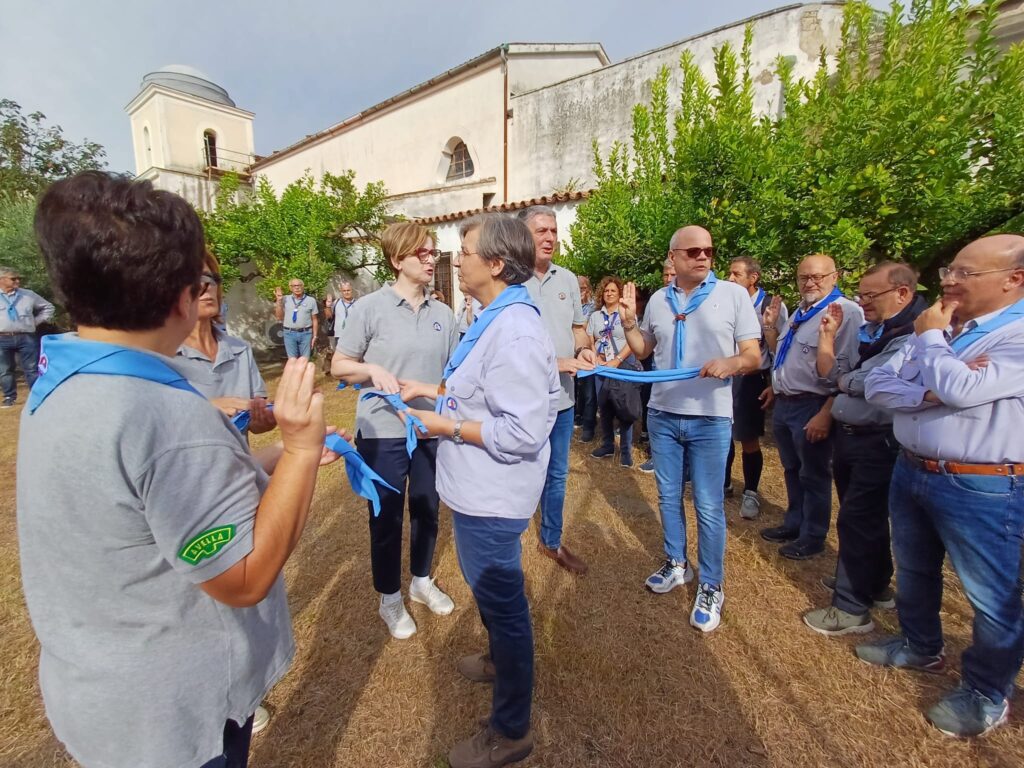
(300,65)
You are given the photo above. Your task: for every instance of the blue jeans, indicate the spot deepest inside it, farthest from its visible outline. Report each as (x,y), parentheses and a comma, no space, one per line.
(808,468)
(552,500)
(24,349)
(979,521)
(298,343)
(699,444)
(490,555)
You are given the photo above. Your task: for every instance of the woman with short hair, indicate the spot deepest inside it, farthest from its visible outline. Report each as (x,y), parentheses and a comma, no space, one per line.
(399,332)
(496,406)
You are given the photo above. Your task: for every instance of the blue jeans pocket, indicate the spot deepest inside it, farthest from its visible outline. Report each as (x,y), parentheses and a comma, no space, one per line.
(989,485)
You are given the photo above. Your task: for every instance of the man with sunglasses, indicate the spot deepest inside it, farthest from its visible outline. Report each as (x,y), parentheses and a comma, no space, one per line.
(802,422)
(957,390)
(865,450)
(21,310)
(298,312)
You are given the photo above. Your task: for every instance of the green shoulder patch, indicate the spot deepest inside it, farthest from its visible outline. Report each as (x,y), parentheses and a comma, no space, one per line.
(206,544)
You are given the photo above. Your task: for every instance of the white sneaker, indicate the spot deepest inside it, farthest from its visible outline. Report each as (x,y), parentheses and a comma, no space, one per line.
(260,719)
(400,623)
(750,507)
(707,608)
(432,597)
(669,576)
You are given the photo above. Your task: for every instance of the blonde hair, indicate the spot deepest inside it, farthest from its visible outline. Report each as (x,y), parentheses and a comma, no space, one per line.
(400,240)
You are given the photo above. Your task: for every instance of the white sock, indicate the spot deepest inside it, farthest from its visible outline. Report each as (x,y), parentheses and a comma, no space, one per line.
(420,583)
(391,599)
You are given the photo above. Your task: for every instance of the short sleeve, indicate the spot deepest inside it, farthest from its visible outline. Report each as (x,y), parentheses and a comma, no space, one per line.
(315,309)
(578,318)
(354,338)
(748,326)
(200,502)
(592,325)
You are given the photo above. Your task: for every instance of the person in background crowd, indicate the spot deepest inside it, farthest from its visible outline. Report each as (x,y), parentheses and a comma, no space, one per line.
(336,313)
(865,450)
(298,312)
(751,394)
(160,607)
(501,393)
(557,292)
(802,421)
(696,322)
(586,389)
(605,328)
(399,332)
(956,389)
(668,274)
(21,310)
(437,295)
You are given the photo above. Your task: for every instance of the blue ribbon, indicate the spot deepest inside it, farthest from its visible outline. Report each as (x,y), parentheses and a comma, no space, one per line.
(696,299)
(412,423)
(1007,316)
(361,477)
(641,377)
(356,387)
(800,317)
(65,355)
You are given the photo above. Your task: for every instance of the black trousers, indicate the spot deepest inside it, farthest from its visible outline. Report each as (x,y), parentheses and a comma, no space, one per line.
(862,467)
(236,746)
(388,458)
(586,402)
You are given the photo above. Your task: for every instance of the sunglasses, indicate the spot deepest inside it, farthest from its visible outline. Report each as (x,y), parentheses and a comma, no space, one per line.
(695,253)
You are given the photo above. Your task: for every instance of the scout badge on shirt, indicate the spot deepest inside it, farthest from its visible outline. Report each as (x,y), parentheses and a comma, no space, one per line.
(452,405)
(437,326)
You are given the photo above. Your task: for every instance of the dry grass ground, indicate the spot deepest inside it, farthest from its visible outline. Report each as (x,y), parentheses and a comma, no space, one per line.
(622,680)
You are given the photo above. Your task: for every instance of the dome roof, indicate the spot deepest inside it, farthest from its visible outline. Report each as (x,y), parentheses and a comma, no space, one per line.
(180,77)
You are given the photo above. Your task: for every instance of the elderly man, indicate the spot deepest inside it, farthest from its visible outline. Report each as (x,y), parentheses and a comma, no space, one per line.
(710,324)
(557,292)
(21,310)
(298,312)
(338,309)
(751,394)
(957,389)
(865,450)
(802,422)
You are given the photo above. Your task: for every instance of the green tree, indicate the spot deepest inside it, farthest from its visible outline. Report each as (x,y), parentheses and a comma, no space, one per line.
(18,248)
(910,145)
(33,155)
(313,230)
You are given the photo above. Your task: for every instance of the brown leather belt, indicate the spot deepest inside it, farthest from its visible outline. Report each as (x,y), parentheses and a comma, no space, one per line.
(941,467)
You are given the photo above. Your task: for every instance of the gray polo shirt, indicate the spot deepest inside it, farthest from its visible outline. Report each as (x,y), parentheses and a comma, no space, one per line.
(139,666)
(342,309)
(298,313)
(384,329)
(798,373)
(558,296)
(850,406)
(607,345)
(725,318)
(232,374)
(30,308)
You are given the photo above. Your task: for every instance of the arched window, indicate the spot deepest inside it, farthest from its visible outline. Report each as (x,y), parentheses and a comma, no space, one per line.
(461,165)
(210,148)
(147,145)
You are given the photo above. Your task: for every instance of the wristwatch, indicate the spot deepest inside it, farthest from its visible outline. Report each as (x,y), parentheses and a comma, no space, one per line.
(457,433)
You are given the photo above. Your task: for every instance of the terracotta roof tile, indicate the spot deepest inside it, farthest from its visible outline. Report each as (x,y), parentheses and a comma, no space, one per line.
(507,207)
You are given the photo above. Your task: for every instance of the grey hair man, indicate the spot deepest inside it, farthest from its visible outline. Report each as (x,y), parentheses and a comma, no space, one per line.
(21,310)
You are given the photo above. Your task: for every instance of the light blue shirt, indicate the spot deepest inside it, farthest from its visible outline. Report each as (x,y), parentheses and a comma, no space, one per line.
(982,416)
(29,306)
(508,382)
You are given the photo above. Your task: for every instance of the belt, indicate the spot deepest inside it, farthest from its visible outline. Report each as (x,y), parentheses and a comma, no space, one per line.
(301,330)
(941,467)
(853,429)
(15,333)
(801,396)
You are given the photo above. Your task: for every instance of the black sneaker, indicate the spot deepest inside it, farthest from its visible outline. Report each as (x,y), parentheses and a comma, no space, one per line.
(586,435)
(780,534)
(603,452)
(802,549)
(8,403)
(626,460)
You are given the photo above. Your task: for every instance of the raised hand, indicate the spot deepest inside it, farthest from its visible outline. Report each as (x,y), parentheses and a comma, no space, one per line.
(771,315)
(299,408)
(831,320)
(627,304)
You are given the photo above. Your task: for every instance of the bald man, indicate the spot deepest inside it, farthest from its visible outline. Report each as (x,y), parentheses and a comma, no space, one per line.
(802,422)
(697,321)
(957,390)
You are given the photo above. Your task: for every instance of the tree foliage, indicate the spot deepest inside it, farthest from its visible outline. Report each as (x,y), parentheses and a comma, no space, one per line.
(907,144)
(313,230)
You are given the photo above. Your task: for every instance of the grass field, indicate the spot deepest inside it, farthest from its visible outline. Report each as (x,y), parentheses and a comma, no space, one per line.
(622,680)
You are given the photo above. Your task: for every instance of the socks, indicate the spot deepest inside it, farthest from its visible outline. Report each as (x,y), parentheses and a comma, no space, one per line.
(753,463)
(420,583)
(391,599)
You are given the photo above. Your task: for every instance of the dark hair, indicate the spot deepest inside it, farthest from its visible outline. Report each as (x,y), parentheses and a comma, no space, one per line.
(898,272)
(119,252)
(749,263)
(505,238)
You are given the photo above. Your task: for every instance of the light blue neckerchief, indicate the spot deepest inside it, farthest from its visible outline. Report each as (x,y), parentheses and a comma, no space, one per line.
(361,477)
(692,305)
(758,299)
(12,313)
(1007,316)
(412,423)
(800,317)
(866,336)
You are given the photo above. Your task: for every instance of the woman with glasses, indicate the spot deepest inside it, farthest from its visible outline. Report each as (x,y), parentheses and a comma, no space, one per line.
(396,333)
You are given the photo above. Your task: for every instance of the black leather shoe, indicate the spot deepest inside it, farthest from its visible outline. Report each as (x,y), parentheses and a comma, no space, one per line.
(587,435)
(802,549)
(780,534)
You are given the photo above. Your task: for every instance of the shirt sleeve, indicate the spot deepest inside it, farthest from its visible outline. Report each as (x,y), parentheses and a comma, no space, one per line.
(517,390)
(958,386)
(200,501)
(42,310)
(355,336)
(315,308)
(854,381)
(592,325)
(578,317)
(748,326)
(891,386)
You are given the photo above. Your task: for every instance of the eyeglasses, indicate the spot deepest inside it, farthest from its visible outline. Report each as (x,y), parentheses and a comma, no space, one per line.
(15,278)
(424,254)
(867,298)
(959,275)
(207,281)
(695,253)
(805,279)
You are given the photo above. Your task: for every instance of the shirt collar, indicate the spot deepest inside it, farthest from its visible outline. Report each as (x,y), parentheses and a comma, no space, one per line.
(399,300)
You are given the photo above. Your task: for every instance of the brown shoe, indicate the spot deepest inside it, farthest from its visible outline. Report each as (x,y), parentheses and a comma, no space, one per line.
(489,749)
(477,667)
(564,558)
